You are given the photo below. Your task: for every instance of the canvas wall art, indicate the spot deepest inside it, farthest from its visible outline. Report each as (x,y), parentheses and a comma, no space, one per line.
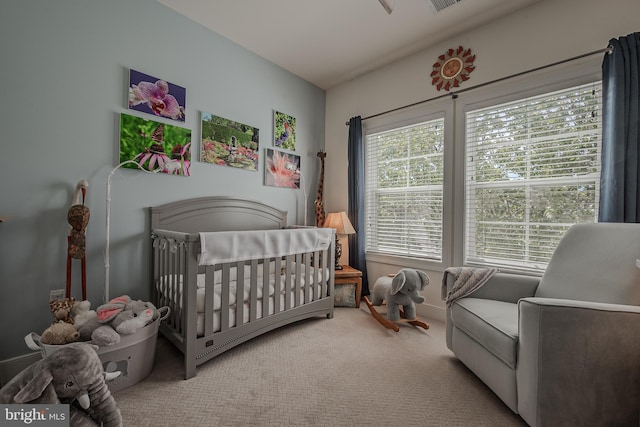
(281,169)
(229,143)
(155,146)
(152,95)
(284,131)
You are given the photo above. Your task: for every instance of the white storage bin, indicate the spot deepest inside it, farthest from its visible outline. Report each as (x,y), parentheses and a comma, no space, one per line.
(133,356)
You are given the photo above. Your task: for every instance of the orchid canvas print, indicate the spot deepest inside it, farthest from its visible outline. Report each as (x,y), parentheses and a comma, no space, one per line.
(281,169)
(155,96)
(284,131)
(155,146)
(229,143)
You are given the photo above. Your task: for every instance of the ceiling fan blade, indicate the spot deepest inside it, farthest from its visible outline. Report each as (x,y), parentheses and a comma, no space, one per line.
(387,6)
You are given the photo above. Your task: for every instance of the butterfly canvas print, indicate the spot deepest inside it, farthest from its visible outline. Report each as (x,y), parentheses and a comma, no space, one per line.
(155,146)
(284,131)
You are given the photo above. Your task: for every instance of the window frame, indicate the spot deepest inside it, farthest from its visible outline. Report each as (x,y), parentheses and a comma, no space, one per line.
(411,116)
(539,83)
(454,110)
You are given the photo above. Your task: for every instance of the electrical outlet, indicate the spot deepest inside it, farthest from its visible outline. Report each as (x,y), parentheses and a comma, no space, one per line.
(56,294)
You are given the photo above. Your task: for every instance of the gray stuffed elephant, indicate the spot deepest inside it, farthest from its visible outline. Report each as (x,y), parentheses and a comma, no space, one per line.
(71,375)
(403,290)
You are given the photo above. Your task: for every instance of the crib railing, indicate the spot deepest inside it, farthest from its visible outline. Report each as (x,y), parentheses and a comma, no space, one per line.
(296,279)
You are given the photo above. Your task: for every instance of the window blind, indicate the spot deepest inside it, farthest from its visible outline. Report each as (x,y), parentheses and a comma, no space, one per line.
(532,170)
(404,190)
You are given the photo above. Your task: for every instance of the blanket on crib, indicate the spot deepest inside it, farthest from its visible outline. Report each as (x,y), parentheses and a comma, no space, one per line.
(230,246)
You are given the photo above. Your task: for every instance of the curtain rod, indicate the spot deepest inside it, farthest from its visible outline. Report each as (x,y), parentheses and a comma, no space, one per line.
(454,95)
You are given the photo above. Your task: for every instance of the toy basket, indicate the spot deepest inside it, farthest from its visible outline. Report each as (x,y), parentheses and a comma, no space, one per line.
(133,356)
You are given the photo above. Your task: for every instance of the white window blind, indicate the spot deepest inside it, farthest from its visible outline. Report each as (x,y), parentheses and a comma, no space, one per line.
(404,190)
(532,170)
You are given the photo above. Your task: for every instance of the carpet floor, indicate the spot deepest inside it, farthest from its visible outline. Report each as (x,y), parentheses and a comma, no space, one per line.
(345,371)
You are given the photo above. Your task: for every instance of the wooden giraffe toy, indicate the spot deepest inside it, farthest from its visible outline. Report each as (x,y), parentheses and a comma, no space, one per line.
(320,213)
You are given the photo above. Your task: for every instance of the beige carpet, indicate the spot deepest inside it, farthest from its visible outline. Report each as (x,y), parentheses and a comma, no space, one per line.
(345,371)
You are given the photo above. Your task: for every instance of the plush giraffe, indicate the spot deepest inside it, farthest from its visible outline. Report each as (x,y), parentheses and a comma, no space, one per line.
(320,213)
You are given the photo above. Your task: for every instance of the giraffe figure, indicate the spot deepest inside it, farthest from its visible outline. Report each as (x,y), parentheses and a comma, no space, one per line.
(320,214)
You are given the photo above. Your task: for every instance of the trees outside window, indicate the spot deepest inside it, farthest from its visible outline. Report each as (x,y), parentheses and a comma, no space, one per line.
(532,170)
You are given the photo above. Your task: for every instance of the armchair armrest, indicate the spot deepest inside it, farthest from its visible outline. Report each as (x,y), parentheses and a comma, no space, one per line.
(578,362)
(504,287)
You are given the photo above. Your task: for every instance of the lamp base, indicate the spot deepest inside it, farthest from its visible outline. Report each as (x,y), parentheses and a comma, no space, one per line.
(338,254)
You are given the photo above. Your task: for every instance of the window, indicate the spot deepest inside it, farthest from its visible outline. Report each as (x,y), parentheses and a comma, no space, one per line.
(532,170)
(404,190)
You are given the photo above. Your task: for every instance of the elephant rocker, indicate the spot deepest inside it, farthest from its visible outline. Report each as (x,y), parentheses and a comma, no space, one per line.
(400,294)
(71,375)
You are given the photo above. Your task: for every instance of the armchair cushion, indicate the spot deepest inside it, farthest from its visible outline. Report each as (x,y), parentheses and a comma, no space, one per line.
(595,262)
(492,323)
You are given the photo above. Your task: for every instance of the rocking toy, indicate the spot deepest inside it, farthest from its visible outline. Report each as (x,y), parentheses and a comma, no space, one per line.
(78,218)
(400,293)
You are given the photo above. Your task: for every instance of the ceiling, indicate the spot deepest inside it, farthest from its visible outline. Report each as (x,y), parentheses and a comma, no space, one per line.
(328,42)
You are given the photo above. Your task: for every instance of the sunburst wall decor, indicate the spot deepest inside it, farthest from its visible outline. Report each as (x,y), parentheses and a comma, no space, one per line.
(452,68)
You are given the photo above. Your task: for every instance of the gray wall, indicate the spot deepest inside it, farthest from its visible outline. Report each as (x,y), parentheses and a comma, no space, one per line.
(64,74)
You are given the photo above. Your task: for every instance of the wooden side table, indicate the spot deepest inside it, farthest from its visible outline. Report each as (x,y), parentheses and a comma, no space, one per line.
(349,275)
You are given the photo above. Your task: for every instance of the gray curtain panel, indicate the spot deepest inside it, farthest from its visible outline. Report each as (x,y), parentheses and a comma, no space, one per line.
(356,200)
(619,182)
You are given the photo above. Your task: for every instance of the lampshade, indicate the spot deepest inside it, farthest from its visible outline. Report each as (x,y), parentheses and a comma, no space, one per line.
(339,221)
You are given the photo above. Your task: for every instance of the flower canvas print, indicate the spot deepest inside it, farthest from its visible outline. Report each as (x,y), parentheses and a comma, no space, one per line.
(281,169)
(155,96)
(155,146)
(229,143)
(284,131)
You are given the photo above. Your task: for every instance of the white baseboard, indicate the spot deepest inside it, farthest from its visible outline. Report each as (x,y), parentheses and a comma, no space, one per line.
(9,368)
(430,311)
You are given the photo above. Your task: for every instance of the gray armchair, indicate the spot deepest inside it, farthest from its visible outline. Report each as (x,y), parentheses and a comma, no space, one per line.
(564,349)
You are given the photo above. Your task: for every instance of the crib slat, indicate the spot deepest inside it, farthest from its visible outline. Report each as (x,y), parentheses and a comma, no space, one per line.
(287,283)
(308,295)
(253,292)
(278,285)
(224,298)
(209,283)
(317,275)
(240,293)
(266,274)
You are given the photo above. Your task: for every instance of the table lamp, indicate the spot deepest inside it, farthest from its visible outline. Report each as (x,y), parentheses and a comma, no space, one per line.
(340,222)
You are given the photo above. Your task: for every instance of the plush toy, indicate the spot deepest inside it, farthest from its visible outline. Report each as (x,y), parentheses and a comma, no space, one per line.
(71,375)
(61,309)
(82,313)
(403,291)
(60,333)
(126,315)
(121,315)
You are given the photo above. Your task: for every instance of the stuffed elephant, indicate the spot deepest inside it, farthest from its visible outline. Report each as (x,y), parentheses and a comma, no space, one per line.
(403,290)
(71,375)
